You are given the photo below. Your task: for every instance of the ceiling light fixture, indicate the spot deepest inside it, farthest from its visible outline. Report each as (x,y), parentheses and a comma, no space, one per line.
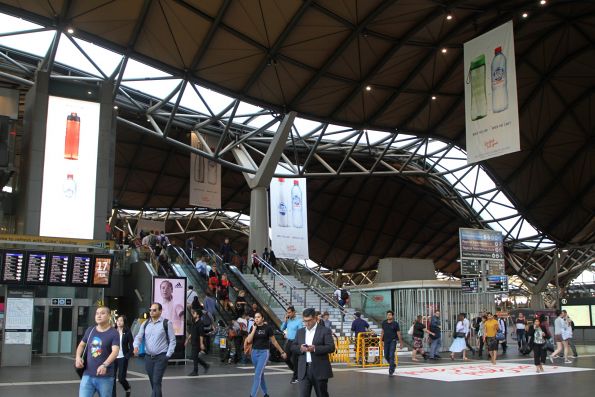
(525,15)
(368,88)
(70,30)
(433,97)
(444,50)
(542,2)
(449,16)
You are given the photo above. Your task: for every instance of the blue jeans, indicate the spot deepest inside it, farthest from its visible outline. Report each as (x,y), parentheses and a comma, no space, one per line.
(259,359)
(435,347)
(103,385)
(389,354)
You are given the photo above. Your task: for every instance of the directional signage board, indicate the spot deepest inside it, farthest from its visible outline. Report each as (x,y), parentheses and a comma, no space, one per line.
(497,284)
(470,285)
(481,244)
(495,268)
(470,267)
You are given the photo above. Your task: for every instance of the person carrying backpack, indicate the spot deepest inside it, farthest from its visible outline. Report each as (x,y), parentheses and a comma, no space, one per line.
(160,343)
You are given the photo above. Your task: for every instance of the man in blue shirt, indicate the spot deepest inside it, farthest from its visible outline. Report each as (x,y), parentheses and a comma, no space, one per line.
(358,326)
(437,337)
(159,346)
(291,324)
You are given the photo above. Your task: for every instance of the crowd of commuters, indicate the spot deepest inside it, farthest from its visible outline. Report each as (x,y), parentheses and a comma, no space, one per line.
(105,350)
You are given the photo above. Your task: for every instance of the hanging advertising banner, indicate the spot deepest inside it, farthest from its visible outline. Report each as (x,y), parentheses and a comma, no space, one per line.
(491,107)
(69,169)
(205,176)
(171,294)
(289,218)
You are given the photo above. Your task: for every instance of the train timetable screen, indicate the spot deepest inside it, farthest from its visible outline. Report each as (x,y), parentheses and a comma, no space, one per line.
(81,269)
(37,265)
(58,274)
(14,266)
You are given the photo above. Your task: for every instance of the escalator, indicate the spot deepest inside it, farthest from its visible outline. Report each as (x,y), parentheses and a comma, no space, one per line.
(182,266)
(265,297)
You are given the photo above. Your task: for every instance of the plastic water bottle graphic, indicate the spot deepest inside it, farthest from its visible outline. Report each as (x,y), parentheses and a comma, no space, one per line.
(73,130)
(499,83)
(296,205)
(69,186)
(477,78)
(282,205)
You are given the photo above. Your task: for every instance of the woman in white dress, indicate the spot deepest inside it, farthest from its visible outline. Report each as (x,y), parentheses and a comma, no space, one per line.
(458,344)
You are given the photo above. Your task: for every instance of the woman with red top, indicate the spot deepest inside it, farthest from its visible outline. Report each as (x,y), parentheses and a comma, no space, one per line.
(223,292)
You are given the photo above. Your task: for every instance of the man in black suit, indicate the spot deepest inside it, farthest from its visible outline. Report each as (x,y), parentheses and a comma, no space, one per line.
(312,345)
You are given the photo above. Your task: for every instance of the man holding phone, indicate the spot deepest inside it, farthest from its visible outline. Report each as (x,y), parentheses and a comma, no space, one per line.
(313,344)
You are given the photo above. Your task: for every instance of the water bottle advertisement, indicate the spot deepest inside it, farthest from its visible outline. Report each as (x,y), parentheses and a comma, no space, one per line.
(205,174)
(491,107)
(289,220)
(69,169)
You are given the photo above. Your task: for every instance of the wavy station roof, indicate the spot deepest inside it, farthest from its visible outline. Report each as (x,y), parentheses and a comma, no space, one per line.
(393,181)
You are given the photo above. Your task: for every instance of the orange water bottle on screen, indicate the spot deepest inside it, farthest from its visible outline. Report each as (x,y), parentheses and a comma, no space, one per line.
(73,129)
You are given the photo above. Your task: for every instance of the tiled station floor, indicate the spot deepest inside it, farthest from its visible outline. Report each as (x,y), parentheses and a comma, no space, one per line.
(513,375)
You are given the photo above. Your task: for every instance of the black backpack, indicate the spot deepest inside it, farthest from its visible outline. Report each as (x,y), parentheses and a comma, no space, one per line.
(344,294)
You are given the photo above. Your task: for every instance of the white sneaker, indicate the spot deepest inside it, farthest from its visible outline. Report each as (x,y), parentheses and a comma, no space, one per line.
(567,361)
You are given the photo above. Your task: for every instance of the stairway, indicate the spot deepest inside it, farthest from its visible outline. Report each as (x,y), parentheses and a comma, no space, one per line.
(307,298)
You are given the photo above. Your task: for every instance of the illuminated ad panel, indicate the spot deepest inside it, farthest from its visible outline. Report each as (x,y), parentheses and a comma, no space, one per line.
(289,218)
(70,168)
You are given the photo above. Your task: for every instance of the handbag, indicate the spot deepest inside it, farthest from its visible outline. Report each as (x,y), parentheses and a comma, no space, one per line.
(549,345)
(80,371)
(500,336)
(410,332)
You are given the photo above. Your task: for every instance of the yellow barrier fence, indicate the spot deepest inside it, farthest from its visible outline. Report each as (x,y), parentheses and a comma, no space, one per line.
(367,351)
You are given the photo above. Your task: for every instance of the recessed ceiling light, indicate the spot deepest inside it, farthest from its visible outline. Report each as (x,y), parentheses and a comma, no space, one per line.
(433,97)
(70,30)
(525,15)
(444,50)
(368,88)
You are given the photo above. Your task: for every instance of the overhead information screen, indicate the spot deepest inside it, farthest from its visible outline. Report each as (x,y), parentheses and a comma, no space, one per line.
(14,263)
(470,267)
(58,274)
(102,271)
(81,270)
(37,265)
(470,285)
(497,284)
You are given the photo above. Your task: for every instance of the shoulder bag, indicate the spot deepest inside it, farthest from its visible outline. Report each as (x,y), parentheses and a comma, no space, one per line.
(80,371)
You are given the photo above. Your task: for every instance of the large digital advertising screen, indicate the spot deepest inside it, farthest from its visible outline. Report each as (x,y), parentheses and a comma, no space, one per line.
(102,271)
(171,293)
(70,168)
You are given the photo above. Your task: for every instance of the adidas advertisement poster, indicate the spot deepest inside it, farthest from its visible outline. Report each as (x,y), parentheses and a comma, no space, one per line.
(171,293)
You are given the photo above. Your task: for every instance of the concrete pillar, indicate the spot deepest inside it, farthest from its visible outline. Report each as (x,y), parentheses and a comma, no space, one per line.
(536,301)
(259,205)
(259,220)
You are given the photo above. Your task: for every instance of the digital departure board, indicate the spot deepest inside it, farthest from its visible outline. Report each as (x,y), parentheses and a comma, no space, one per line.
(81,270)
(37,266)
(470,285)
(58,271)
(497,284)
(14,267)
(102,271)
(496,268)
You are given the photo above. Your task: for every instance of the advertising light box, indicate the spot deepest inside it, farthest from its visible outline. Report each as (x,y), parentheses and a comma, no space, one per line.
(580,314)
(102,271)
(70,168)
(171,294)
